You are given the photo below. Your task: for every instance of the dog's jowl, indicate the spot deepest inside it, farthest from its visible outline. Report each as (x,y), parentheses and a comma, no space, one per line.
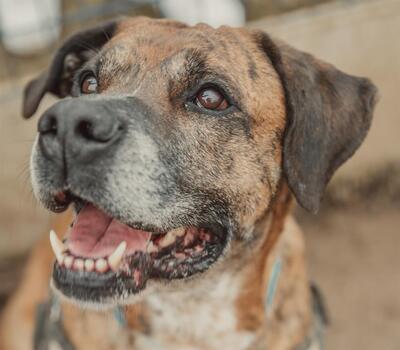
(179,150)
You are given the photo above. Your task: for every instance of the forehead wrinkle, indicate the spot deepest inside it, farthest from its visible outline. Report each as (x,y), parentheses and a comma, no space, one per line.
(196,63)
(119,56)
(189,62)
(118,62)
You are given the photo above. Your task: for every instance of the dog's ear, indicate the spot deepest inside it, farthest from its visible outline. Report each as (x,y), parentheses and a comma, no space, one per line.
(328,116)
(68,59)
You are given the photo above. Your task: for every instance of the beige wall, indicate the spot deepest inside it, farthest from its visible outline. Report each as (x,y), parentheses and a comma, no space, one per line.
(22,219)
(260,8)
(362,38)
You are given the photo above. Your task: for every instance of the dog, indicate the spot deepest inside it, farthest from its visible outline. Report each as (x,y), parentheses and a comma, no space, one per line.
(181,150)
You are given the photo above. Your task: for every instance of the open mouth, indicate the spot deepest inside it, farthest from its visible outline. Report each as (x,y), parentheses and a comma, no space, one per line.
(102,258)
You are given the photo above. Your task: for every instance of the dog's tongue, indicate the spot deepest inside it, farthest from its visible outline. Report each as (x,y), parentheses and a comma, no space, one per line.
(95,234)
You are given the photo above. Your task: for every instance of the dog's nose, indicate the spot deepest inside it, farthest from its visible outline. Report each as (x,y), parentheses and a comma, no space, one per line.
(82,127)
(78,130)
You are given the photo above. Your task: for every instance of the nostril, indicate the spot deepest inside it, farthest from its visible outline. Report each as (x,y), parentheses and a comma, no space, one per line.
(97,129)
(85,129)
(48,125)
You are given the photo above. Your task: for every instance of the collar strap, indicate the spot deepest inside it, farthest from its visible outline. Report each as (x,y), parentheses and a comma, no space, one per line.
(273,283)
(119,315)
(49,329)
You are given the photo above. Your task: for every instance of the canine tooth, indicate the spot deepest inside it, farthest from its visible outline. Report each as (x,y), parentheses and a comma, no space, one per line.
(79,264)
(61,259)
(151,248)
(58,247)
(101,265)
(167,240)
(68,261)
(114,260)
(89,265)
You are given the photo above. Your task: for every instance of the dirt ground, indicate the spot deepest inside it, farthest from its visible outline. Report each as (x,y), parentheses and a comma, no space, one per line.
(353,256)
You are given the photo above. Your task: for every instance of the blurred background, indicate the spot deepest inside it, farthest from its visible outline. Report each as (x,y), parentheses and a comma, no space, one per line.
(353,243)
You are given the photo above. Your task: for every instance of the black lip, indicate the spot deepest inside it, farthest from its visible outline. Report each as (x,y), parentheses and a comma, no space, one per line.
(58,206)
(92,287)
(189,267)
(98,288)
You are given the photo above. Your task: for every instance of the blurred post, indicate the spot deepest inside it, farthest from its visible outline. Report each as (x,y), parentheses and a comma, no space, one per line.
(213,12)
(29,26)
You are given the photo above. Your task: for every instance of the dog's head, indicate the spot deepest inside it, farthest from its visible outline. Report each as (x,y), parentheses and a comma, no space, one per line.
(174,142)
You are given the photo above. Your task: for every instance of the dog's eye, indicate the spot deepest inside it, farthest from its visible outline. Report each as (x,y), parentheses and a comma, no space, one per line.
(89,84)
(211,98)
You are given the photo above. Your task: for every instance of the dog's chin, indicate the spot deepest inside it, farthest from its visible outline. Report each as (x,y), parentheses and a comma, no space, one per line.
(103,262)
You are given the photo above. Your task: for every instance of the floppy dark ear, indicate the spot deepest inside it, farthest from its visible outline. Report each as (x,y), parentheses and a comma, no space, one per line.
(328,116)
(70,56)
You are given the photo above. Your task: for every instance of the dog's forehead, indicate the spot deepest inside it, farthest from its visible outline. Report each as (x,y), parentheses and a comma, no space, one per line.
(151,43)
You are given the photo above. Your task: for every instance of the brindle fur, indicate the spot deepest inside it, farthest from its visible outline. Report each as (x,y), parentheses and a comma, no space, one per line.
(291,130)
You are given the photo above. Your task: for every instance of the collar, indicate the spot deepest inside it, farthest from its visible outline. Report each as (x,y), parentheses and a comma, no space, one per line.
(49,328)
(119,315)
(272,284)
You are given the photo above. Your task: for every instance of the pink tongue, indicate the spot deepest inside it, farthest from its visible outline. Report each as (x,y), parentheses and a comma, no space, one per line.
(95,234)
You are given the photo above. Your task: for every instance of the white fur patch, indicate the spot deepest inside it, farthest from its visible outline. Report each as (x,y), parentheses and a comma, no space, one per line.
(199,315)
(33,170)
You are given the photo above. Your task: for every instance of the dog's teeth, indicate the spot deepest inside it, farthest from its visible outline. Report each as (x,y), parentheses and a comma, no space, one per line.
(89,265)
(61,259)
(68,261)
(114,260)
(79,264)
(151,248)
(167,240)
(58,247)
(101,265)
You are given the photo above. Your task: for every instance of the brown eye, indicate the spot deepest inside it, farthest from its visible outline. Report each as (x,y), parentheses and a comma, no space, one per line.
(211,98)
(89,85)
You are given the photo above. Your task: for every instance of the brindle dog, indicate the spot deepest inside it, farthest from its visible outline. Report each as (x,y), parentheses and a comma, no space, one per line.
(179,149)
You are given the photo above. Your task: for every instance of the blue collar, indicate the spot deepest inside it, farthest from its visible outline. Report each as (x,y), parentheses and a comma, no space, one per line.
(273,283)
(119,315)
